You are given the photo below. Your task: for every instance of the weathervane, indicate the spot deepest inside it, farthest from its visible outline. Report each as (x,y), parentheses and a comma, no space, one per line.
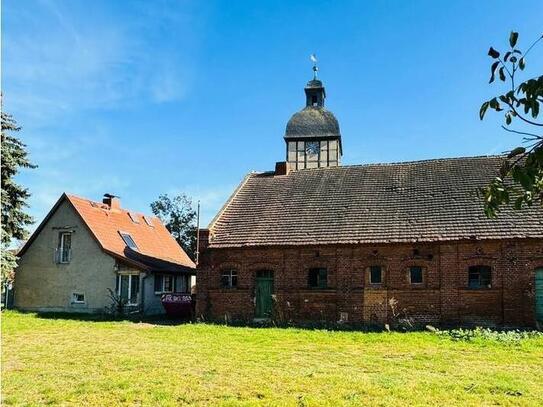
(313,58)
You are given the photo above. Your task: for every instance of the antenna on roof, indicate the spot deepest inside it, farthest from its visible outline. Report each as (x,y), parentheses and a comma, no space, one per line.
(197,254)
(313,58)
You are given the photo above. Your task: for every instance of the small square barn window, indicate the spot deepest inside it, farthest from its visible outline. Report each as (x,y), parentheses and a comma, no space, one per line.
(376,275)
(129,241)
(415,275)
(318,278)
(479,277)
(229,278)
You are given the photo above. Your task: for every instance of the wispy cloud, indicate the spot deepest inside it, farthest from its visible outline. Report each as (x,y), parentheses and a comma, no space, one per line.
(67,65)
(73,60)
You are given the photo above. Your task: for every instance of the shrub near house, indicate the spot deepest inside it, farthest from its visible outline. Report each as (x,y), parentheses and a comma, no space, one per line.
(83,249)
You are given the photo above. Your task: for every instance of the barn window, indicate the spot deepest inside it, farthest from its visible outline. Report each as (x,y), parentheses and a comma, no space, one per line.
(318,278)
(415,275)
(479,277)
(376,275)
(229,278)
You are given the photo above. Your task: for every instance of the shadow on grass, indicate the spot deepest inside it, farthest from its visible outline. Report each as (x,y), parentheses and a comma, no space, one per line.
(136,318)
(165,320)
(311,326)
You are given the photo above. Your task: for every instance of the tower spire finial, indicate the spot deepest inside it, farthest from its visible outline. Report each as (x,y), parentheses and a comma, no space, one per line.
(313,58)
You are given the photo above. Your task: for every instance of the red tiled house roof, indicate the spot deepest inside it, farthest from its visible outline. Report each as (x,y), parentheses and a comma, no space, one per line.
(157,249)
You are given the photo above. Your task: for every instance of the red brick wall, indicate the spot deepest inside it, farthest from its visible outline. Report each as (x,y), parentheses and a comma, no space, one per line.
(442,298)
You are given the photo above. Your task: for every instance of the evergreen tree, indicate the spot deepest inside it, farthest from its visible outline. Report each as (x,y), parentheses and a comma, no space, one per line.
(13,196)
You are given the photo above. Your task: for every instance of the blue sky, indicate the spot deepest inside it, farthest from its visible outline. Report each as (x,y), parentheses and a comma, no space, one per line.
(140,98)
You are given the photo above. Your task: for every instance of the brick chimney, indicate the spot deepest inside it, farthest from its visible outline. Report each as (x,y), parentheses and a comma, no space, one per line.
(112,201)
(281,168)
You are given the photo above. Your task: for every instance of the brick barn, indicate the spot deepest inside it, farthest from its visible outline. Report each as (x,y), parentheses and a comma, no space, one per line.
(314,240)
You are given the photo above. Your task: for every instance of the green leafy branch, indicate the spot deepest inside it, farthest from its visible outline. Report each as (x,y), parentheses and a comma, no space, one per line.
(524,165)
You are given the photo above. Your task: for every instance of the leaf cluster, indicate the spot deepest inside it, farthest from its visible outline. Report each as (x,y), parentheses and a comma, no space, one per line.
(179,218)
(521,176)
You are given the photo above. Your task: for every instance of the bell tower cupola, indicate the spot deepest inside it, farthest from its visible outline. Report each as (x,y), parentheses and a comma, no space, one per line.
(312,135)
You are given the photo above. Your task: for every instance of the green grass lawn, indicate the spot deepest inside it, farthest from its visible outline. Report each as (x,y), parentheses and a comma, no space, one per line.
(63,361)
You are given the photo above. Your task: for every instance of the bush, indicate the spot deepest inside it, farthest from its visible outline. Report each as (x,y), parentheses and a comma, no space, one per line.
(509,336)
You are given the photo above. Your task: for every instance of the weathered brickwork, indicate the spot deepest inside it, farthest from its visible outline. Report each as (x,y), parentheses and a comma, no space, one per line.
(443,297)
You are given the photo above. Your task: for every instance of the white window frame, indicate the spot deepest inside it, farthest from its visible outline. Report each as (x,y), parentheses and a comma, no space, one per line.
(61,248)
(162,284)
(125,236)
(74,301)
(229,274)
(119,287)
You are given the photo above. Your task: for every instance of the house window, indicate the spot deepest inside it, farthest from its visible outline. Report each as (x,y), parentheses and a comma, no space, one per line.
(229,278)
(78,298)
(314,101)
(181,284)
(376,275)
(479,277)
(164,283)
(128,288)
(129,241)
(415,274)
(318,278)
(64,251)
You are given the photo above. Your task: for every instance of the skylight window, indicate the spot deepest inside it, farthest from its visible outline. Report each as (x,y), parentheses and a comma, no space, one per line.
(148,220)
(134,217)
(129,241)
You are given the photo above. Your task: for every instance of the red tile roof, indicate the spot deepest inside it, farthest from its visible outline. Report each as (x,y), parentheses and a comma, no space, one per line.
(105,224)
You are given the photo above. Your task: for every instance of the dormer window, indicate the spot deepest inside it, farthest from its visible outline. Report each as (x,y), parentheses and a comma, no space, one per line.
(148,220)
(129,241)
(133,217)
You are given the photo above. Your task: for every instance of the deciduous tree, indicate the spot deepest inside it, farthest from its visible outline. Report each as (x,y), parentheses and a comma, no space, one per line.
(520,180)
(179,218)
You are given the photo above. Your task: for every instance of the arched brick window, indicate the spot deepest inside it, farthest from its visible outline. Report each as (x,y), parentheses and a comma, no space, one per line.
(416,275)
(229,278)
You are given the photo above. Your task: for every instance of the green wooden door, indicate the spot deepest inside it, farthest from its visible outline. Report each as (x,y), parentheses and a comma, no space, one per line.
(539,294)
(264,291)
